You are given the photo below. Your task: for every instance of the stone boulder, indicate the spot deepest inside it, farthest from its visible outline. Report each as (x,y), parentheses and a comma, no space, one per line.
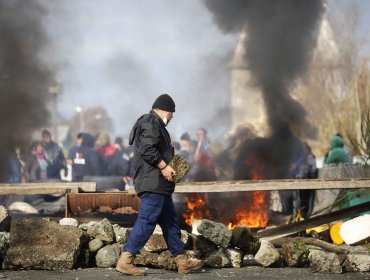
(68,222)
(146,258)
(295,253)
(324,262)
(357,263)
(216,232)
(267,254)
(167,261)
(102,230)
(203,246)
(108,255)
(41,244)
(5,219)
(121,234)
(235,257)
(157,244)
(217,259)
(243,239)
(95,245)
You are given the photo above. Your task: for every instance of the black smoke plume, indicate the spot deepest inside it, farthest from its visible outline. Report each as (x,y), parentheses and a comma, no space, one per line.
(24,80)
(280,40)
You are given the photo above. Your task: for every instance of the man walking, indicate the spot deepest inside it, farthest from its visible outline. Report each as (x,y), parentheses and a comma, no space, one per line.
(153,184)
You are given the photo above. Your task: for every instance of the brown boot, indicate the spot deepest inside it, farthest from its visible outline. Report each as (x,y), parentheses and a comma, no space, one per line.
(185,265)
(126,265)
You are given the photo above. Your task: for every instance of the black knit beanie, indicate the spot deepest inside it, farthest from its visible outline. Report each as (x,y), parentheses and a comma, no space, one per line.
(165,103)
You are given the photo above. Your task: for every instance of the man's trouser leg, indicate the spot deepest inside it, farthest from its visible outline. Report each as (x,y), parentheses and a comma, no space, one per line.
(151,206)
(170,227)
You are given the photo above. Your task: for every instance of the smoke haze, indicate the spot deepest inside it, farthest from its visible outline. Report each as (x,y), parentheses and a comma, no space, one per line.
(123,55)
(278,47)
(24,79)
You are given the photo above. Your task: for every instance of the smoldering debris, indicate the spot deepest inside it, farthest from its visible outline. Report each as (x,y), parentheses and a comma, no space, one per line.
(280,40)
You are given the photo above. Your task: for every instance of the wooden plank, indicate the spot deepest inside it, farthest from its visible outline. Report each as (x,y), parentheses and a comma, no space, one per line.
(311,222)
(269,185)
(46,188)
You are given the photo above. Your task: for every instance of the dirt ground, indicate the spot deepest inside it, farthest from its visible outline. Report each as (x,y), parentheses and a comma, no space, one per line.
(258,273)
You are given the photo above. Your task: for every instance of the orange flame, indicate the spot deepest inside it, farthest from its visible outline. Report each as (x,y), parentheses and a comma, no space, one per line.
(256,214)
(195,208)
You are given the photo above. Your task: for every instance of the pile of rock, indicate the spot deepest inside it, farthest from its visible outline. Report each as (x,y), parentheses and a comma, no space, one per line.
(45,244)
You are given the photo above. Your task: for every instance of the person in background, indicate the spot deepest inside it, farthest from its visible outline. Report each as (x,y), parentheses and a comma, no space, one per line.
(203,158)
(176,146)
(191,175)
(109,156)
(54,154)
(346,148)
(37,165)
(14,167)
(153,184)
(73,149)
(118,144)
(185,146)
(85,159)
(336,153)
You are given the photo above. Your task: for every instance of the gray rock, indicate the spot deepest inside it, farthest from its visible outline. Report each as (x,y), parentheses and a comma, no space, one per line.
(102,230)
(267,255)
(235,256)
(202,246)
(324,262)
(108,255)
(218,259)
(151,260)
(4,244)
(295,253)
(357,263)
(121,234)
(146,258)
(40,244)
(5,219)
(95,245)
(157,244)
(216,232)
(140,258)
(243,239)
(167,261)
(68,222)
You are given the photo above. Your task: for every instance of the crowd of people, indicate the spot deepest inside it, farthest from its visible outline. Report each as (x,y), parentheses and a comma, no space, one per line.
(97,156)
(90,156)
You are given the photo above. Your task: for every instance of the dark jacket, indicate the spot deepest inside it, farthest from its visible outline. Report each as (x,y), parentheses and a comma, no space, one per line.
(152,143)
(85,159)
(337,153)
(110,161)
(55,156)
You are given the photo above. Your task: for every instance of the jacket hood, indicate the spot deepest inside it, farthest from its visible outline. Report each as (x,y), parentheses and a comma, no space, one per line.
(336,142)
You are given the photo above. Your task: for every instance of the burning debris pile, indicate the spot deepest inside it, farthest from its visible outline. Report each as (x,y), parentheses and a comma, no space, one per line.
(237,209)
(48,245)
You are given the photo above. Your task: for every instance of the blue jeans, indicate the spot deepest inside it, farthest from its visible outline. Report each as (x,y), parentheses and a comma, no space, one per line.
(155,209)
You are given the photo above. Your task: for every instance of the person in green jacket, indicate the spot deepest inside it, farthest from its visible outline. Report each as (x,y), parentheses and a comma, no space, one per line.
(337,154)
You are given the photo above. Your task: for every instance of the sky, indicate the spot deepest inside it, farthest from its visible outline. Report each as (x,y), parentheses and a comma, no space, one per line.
(122,54)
